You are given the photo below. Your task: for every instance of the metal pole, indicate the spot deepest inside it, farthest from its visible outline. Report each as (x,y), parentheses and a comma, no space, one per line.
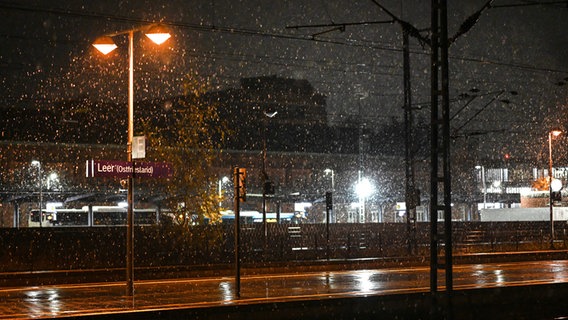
(409,149)
(130,196)
(16,215)
(332,215)
(434,136)
(264,179)
(484,187)
(446,154)
(237,230)
(328,209)
(550,190)
(40,194)
(278,211)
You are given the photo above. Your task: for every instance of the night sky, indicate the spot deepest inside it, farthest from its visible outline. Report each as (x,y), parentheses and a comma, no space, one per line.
(513,59)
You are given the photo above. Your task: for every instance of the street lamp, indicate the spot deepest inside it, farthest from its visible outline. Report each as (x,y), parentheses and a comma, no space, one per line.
(40,204)
(52,180)
(264,174)
(220,190)
(551,134)
(158,34)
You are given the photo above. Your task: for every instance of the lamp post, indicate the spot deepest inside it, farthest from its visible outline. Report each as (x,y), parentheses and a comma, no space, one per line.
(52,180)
(105,44)
(40,204)
(551,134)
(264,174)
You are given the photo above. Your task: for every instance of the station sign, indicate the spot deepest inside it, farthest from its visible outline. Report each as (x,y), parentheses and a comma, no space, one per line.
(125,169)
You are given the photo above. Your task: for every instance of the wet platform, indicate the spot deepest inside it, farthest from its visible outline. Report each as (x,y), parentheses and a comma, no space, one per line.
(354,294)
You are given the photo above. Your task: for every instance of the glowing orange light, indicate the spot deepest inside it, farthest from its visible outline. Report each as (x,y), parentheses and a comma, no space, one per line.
(104,44)
(158,34)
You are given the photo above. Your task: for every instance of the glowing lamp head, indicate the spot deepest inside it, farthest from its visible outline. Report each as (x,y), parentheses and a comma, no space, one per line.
(104,44)
(556,132)
(158,34)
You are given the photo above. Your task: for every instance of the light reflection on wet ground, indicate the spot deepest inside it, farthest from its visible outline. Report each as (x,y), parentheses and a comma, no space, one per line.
(52,301)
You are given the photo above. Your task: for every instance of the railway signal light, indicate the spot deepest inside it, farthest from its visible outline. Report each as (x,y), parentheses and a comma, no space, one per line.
(240,179)
(556,196)
(329,201)
(269,187)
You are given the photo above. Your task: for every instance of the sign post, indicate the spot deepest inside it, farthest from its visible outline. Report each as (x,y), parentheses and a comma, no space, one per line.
(239,181)
(328,210)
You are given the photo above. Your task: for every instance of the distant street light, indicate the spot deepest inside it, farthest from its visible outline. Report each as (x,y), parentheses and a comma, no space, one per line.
(40,204)
(551,134)
(52,180)
(221,182)
(158,34)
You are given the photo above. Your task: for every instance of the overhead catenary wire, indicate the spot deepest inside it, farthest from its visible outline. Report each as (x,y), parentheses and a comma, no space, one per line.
(319,64)
(232,30)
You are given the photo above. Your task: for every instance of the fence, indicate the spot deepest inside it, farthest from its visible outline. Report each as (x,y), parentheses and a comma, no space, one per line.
(104,247)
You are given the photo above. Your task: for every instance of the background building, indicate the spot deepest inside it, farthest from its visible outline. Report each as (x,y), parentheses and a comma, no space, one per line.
(285,118)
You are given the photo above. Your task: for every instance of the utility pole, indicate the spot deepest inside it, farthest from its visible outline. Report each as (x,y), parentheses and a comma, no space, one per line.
(440,178)
(440,174)
(410,194)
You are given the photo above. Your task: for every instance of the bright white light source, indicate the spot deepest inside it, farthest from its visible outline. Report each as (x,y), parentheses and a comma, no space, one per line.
(556,185)
(364,188)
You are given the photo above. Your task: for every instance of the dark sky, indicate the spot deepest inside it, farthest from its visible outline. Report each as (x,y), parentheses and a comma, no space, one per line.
(46,54)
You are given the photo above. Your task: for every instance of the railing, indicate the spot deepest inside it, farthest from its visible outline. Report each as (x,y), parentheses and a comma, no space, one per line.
(85,248)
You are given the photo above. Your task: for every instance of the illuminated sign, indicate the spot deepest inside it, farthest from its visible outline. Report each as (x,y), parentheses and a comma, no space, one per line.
(125,169)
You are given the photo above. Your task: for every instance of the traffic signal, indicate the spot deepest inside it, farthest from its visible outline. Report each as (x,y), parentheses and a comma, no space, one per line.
(268,187)
(507,158)
(240,179)
(416,197)
(556,197)
(329,201)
